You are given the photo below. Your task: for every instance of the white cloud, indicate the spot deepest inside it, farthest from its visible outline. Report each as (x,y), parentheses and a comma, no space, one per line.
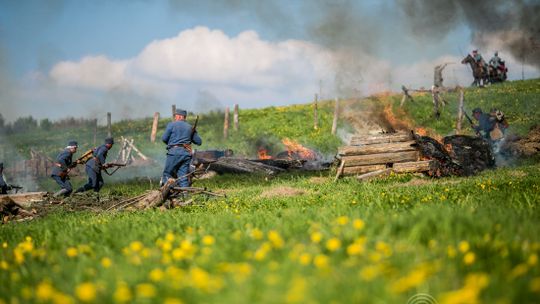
(96,72)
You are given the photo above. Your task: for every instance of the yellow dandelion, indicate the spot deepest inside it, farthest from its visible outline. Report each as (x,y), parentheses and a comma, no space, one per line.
(44,291)
(369,273)
(72,252)
(86,292)
(316,237)
(451,251)
(469,258)
(355,249)
(256,234)
(297,291)
(122,294)
(519,270)
(4,265)
(342,220)
(4,245)
(305,258)
(156,275)
(106,262)
(358,224)
(169,237)
(146,290)
(172,301)
(534,285)
(61,298)
(166,246)
(464,246)
(136,246)
(208,240)
(275,239)
(333,244)
(320,261)
(533,259)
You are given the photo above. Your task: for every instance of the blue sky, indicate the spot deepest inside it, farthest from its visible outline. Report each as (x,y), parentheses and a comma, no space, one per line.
(57,51)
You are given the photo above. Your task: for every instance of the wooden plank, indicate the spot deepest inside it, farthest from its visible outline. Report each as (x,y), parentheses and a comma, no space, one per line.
(381,158)
(374,174)
(409,167)
(378,148)
(358,140)
(362,169)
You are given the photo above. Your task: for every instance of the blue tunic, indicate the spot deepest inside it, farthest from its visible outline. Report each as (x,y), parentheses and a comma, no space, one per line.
(486,124)
(176,134)
(65,160)
(93,170)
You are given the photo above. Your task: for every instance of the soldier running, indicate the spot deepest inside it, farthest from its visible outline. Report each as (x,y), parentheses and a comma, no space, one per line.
(64,163)
(178,136)
(95,165)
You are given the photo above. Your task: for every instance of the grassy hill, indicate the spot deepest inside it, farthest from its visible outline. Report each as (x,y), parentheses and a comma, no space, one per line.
(298,238)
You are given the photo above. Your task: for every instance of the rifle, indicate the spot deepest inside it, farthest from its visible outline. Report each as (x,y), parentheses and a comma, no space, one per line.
(81,160)
(470,120)
(14,187)
(110,165)
(194,128)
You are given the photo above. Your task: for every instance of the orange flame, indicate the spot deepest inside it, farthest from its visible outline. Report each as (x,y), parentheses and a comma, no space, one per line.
(296,150)
(263,154)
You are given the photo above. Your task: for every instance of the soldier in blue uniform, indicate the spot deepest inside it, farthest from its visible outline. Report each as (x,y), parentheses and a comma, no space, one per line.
(3,185)
(95,165)
(486,123)
(178,136)
(64,163)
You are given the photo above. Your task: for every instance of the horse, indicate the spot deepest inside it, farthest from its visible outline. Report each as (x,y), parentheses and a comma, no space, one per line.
(479,71)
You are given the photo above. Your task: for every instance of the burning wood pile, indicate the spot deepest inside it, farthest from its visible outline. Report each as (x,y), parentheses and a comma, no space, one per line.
(407,152)
(296,157)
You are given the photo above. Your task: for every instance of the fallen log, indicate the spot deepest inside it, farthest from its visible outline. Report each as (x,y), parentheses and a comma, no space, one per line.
(358,140)
(378,148)
(362,169)
(282,163)
(410,167)
(239,166)
(374,174)
(380,158)
(23,200)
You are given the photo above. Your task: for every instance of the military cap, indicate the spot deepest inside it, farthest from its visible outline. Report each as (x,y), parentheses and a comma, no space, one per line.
(73,143)
(109,140)
(477,110)
(180,112)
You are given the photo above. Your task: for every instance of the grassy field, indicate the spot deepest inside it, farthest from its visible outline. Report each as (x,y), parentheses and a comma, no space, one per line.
(298,238)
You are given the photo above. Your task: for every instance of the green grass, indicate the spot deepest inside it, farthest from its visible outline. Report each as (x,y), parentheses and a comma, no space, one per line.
(474,239)
(519,100)
(409,241)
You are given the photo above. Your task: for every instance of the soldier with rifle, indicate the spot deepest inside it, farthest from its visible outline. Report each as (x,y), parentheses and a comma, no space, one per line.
(485,123)
(63,165)
(179,135)
(95,165)
(5,187)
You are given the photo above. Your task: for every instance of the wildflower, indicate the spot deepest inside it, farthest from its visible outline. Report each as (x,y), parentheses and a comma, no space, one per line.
(146,290)
(469,258)
(136,246)
(4,245)
(275,239)
(297,291)
(61,298)
(4,265)
(534,285)
(257,234)
(383,248)
(106,262)
(519,270)
(208,240)
(72,252)
(369,273)
(156,275)
(464,246)
(169,237)
(533,259)
(355,248)
(342,220)
(333,244)
(316,237)
(44,291)
(86,292)
(320,261)
(122,293)
(305,258)
(451,251)
(172,301)
(412,280)
(358,224)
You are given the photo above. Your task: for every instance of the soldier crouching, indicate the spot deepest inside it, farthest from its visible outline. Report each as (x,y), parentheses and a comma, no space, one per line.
(64,163)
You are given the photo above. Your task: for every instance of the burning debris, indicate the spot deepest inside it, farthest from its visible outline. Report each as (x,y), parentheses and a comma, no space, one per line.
(409,152)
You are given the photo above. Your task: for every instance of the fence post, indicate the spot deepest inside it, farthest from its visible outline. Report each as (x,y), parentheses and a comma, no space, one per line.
(315,114)
(226,123)
(109,131)
(460,112)
(336,114)
(235,118)
(154,127)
